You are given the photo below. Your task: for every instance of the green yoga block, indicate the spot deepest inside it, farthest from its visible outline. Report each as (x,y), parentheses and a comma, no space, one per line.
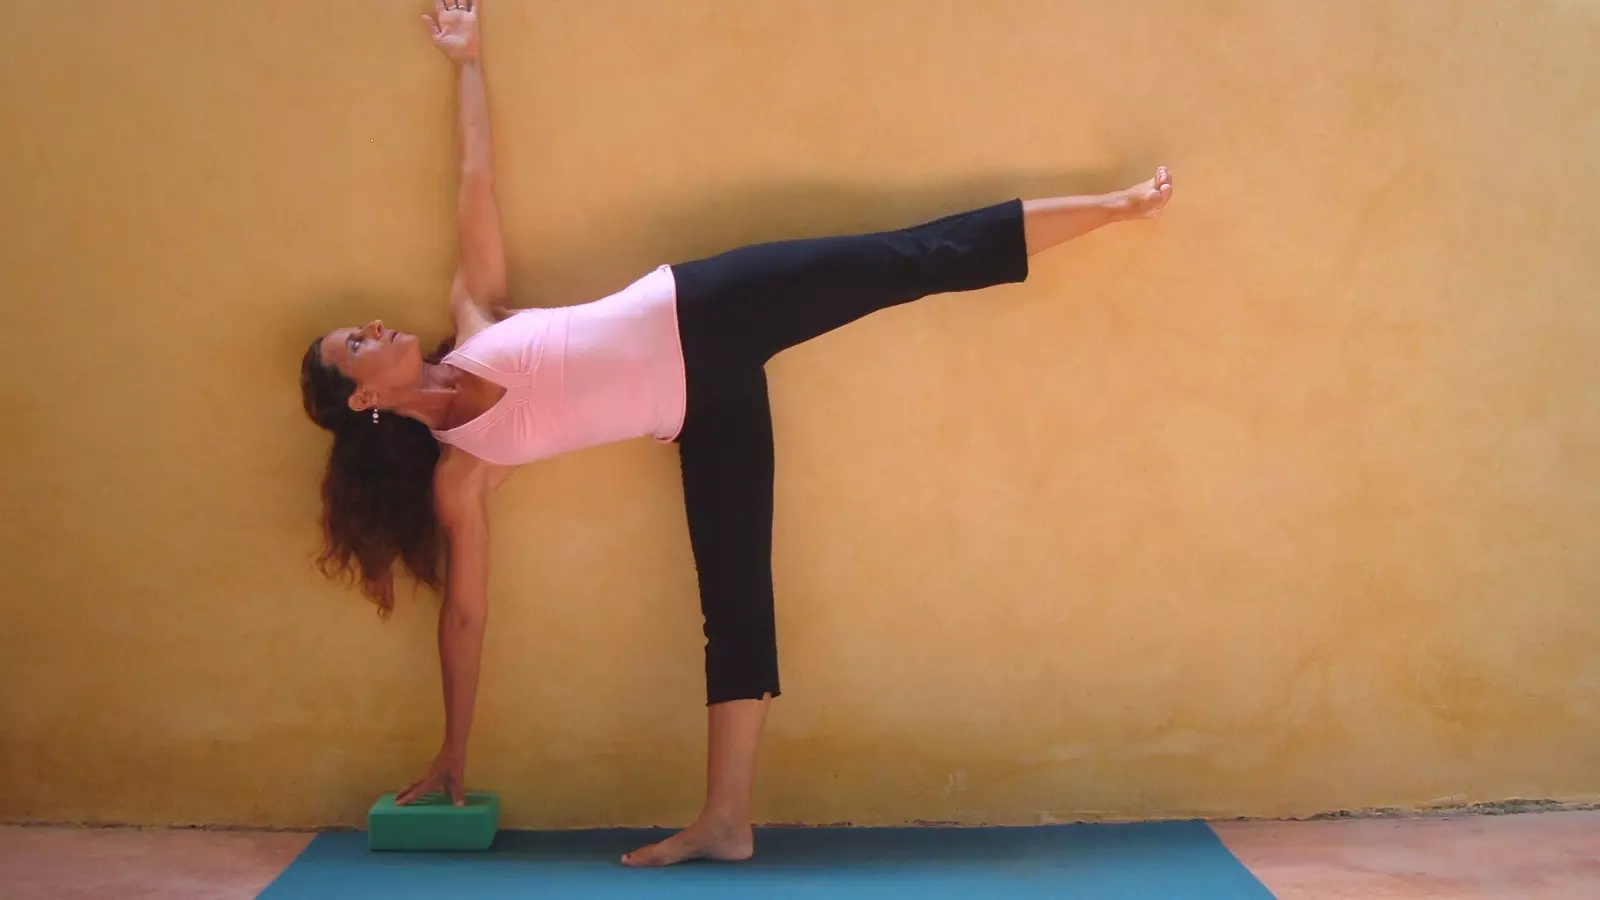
(433,822)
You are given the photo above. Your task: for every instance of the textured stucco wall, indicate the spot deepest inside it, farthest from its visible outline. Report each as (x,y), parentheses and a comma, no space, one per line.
(1284,503)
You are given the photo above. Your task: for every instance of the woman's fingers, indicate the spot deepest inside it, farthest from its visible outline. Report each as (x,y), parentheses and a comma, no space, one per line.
(417,789)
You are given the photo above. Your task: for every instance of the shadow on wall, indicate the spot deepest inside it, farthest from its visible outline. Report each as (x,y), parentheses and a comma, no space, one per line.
(779,210)
(682,228)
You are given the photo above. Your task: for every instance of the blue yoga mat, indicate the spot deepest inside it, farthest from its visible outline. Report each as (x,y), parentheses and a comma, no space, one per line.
(1145,861)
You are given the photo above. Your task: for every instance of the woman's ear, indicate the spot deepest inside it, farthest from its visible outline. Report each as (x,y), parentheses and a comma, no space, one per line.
(363,400)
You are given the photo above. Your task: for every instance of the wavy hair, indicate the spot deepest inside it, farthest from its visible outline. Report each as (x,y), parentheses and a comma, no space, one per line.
(377,488)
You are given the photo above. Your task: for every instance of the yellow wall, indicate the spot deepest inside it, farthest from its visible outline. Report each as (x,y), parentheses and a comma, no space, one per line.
(1285,503)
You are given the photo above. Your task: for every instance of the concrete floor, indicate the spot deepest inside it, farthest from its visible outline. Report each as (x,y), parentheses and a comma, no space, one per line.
(1535,856)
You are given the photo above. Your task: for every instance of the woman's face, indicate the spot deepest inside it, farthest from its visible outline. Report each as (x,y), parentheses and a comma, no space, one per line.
(376,358)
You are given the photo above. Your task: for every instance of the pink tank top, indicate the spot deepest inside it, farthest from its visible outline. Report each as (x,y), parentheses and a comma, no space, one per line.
(577,376)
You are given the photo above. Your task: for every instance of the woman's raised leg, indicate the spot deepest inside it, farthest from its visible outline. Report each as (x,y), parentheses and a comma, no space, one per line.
(740,308)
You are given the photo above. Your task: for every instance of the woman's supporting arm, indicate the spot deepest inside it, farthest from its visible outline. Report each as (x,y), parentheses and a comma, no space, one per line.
(465,613)
(460,494)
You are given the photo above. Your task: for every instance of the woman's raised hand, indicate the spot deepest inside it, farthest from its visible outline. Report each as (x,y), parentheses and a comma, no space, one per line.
(454,28)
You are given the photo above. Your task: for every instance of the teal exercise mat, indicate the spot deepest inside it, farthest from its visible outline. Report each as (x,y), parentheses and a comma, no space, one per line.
(1142,861)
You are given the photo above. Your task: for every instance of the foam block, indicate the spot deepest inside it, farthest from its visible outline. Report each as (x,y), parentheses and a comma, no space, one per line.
(433,822)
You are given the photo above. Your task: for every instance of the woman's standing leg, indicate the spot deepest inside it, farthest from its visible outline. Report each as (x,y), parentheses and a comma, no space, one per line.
(726,455)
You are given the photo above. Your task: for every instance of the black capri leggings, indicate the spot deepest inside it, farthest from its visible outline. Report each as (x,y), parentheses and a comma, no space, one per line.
(737,310)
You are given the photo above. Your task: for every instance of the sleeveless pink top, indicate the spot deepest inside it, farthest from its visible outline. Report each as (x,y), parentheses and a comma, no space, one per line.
(577,376)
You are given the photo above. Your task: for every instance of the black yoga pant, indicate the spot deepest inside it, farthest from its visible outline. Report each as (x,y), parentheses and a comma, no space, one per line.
(737,310)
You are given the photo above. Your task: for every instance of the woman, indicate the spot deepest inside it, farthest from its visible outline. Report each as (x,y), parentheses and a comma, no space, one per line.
(678,356)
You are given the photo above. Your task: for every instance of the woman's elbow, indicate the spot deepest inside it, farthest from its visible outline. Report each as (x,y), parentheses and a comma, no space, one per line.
(464,619)
(489,288)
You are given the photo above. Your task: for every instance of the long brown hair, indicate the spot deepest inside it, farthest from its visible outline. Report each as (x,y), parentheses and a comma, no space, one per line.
(377,489)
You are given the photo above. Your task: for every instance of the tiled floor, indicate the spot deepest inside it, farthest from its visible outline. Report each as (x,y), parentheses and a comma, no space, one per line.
(135,864)
(1536,856)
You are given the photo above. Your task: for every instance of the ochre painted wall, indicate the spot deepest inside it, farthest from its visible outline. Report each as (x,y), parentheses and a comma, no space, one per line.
(1287,502)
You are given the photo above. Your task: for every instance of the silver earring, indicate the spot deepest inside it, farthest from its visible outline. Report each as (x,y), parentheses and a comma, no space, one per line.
(374,417)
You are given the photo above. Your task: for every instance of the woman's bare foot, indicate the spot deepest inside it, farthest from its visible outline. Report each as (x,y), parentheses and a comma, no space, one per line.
(707,838)
(1050,221)
(1143,201)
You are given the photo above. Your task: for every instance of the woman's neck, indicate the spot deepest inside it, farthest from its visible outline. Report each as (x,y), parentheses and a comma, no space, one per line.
(429,400)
